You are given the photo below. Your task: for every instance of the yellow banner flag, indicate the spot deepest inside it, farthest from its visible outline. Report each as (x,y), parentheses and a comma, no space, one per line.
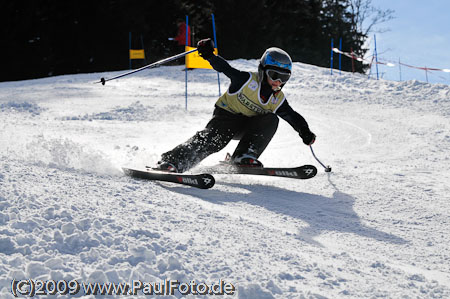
(195,61)
(137,54)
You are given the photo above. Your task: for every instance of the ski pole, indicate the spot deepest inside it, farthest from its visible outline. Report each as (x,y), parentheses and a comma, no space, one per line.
(162,61)
(327,168)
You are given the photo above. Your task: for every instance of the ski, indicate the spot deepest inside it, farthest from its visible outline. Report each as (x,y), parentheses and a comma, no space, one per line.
(202,181)
(301,172)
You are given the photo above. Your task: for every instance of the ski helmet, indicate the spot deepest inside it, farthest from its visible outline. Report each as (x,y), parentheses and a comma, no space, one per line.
(275,59)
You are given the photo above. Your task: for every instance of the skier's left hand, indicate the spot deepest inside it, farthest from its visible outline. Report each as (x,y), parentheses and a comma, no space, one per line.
(205,48)
(308,138)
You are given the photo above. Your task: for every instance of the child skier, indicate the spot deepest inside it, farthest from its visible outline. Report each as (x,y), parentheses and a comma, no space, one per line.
(248,111)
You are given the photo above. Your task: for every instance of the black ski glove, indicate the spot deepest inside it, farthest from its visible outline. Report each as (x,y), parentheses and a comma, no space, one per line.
(206,48)
(308,137)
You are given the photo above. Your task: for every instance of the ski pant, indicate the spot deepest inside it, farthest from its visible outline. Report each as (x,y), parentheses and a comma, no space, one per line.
(254,134)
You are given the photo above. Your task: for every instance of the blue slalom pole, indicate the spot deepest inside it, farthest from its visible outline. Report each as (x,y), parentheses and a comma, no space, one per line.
(331,60)
(143,48)
(129,47)
(215,43)
(185,68)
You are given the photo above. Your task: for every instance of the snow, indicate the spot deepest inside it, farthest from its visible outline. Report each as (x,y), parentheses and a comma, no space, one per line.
(377,226)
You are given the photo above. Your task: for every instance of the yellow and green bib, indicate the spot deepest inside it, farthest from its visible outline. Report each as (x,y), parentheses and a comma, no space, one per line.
(247,100)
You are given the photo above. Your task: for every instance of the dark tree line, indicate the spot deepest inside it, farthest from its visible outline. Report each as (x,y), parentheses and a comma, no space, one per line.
(45,38)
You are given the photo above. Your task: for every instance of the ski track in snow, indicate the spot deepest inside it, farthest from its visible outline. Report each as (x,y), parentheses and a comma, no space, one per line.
(377,226)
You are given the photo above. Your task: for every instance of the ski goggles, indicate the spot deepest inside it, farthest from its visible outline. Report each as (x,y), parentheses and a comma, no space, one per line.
(275,75)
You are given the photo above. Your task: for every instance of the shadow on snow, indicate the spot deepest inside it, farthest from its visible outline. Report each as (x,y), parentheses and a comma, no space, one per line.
(321,213)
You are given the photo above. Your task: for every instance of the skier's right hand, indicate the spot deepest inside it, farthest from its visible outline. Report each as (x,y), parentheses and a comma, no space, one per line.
(205,48)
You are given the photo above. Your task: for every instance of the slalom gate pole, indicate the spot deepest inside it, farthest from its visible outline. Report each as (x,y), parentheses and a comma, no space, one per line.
(340,55)
(185,66)
(376,53)
(154,64)
(215,43)
(331,58)
(353,60)
(142,45)
(327,168)
(129,48)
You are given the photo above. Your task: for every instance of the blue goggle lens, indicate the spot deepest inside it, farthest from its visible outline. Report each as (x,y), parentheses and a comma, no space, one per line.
(271,61)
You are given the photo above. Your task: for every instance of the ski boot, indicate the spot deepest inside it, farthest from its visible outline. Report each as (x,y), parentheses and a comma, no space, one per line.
(244,160)
(166,167)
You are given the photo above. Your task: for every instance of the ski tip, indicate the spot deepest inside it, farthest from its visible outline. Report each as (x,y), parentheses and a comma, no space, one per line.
(208,180)
(202,181)
(309,171)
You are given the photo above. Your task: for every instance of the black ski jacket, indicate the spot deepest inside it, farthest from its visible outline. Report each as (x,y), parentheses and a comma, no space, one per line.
(238,79)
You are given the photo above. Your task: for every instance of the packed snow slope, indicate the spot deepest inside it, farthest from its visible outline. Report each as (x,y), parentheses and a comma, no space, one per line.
(377,226)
